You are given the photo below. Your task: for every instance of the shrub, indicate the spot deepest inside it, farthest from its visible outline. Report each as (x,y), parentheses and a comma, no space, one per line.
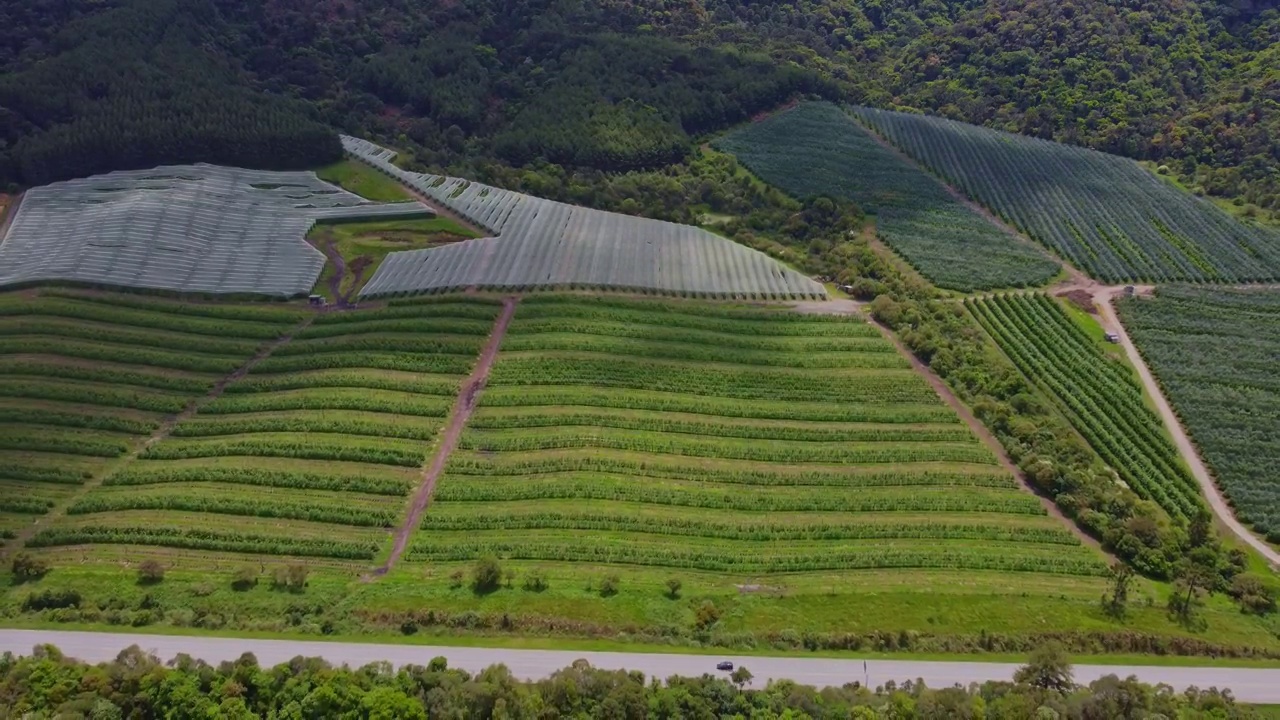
(150,572)
(535,581)
(486,576)
(673,587)
(245,578)
(26,568)
(1254,595)
(455,579)
(291,577)
(706,615)
(51,600)
(609,586)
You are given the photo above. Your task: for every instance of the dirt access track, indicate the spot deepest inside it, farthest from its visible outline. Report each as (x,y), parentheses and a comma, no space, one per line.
(468,395)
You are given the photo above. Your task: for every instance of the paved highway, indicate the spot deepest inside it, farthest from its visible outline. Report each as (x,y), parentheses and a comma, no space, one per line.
(1248,685)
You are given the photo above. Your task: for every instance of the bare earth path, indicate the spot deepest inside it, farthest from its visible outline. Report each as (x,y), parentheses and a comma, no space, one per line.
(166,427)
(949,397)
(1250,685)
(466,402)
(7,219)
(1102,298)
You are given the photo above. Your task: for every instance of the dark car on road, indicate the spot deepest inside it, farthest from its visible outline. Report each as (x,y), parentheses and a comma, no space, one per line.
(725,665)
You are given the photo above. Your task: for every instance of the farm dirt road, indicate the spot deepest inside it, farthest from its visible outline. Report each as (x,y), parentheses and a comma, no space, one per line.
(1250,685)
(468,394)
(1102,299)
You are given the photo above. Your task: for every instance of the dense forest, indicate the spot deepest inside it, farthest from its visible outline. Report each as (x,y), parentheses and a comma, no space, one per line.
(136,685)
(616,85)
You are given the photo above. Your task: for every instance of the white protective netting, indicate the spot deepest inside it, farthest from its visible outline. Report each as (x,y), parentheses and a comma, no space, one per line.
(188,228)
(548,244)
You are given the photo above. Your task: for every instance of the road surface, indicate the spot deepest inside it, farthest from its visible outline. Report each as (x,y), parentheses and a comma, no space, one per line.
(1103,298)
(1249,685)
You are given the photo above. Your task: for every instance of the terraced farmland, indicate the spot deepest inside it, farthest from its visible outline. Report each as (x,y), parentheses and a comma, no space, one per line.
(1104,213)
(1101,397)
(730,440)
(1214,352)
(816,149)
(85,379)
(311,454)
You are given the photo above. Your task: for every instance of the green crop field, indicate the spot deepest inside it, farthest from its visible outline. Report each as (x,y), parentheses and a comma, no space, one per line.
(816,149)
(86,378)
(1214,352)
(1104,213)
(1100,395)
(754,443)
(310,454)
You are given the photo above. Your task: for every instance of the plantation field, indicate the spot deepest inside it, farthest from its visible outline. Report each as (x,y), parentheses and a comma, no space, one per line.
(310,454)
(1100,395)
(748,442)
(1214,353)
(1103,213)
(86,378)
(364,245)
(817,150)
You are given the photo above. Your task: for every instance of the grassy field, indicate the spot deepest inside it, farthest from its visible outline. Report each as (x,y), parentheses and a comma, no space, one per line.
(364,245)
(357,177)
(1099,395)
(309,455)
(1214,352)
(818,150)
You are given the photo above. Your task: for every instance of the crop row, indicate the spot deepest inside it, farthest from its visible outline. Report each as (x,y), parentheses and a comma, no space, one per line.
(443,549)
(118,353)
(351,449)
(60,440)
(110,423)
(25,505)
(391,426)
(765,323)
(332,399)
(942,499)
(747,527)
(143,473)
(585,466)
(639,348)
(724,448)
(261,313)
(385,342)
(881,386)
(1104,398)
(440,314)
(105,374)
(708,426)
(192,539)
(123,397)
(925,410)
(61,475)
(159,320)
(404,326)
(123,335)
(372,380)
(405,361)
(523,334)
(543,304)
(245,505)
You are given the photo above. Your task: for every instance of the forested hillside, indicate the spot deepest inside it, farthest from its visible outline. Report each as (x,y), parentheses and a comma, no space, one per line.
(615,85)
